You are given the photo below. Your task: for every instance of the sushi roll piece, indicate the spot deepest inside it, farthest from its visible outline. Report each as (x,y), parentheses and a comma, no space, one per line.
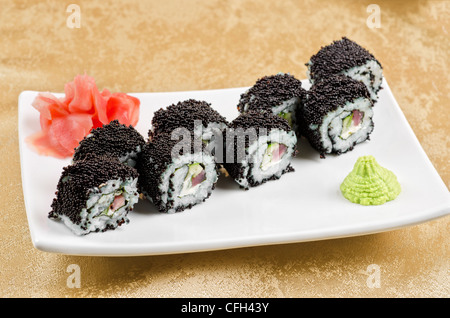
(195,115)
(176,174)
(95,194)
(259,147)
(337,115)
(113,139)
(282,94)
(348,58)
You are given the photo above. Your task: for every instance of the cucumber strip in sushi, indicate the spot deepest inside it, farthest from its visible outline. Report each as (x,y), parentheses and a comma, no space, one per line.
(337,114)
(346,57)
(176,174)
(113,139)
(259,147)
(95,194)
(197,116)
(282,94)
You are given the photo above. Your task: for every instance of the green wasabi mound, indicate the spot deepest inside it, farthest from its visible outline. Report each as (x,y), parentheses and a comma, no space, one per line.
(369,183)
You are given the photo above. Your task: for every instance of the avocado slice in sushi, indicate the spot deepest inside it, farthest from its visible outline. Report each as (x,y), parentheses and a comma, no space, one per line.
(287,116)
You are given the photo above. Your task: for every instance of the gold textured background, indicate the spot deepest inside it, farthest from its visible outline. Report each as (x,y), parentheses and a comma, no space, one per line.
(151,46)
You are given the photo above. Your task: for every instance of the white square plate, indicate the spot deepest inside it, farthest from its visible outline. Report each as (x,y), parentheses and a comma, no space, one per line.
(303,205)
